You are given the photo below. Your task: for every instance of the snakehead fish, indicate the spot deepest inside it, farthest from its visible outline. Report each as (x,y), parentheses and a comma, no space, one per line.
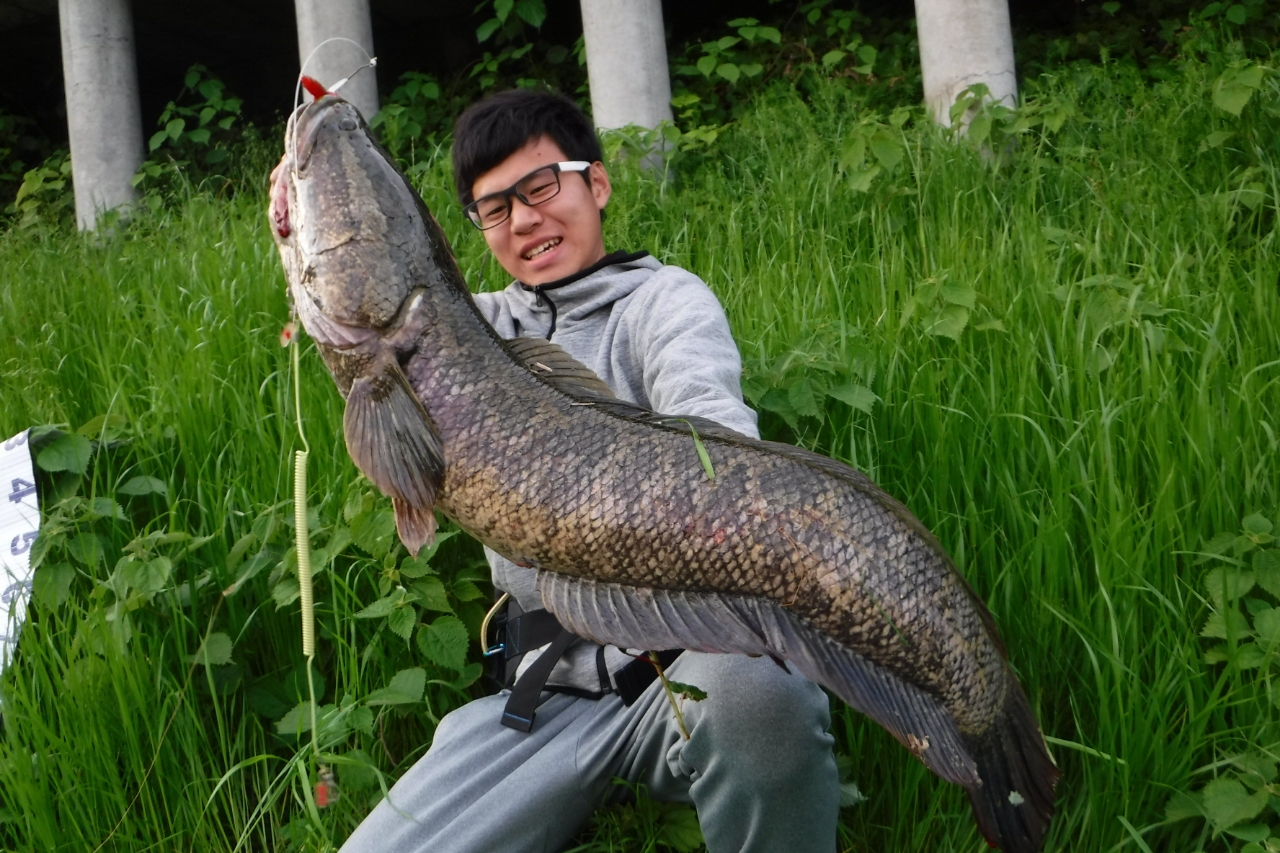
(782,552)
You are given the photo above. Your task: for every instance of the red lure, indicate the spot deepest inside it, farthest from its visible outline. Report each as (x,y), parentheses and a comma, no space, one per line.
(314,86)
(326,788)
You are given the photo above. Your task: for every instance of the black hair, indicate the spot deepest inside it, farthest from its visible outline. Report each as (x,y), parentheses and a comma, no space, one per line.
(493,129)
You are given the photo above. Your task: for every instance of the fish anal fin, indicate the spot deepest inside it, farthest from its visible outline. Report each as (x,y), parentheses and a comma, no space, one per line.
(557,368)
(643,618)
(392,441)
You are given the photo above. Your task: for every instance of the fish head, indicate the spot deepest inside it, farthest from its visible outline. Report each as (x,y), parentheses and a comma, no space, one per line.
(355,239)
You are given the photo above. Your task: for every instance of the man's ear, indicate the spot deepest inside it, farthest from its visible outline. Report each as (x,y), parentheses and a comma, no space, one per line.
(601,189)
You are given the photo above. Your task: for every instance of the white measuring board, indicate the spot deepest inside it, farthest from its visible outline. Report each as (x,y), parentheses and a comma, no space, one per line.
(19,523)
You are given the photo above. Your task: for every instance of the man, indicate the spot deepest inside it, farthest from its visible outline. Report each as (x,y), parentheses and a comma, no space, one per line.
(523,770)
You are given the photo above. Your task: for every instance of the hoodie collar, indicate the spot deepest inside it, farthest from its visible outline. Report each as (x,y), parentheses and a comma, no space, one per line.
(606,261)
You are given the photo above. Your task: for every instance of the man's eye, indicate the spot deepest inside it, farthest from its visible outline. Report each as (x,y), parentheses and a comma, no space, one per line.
(492,209)
(540,186)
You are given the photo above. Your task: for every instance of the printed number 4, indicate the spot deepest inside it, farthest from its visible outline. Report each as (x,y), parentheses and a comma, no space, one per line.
(21,488)
(27,538)
(16,441)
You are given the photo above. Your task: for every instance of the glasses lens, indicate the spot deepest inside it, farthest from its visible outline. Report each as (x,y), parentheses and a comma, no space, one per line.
(539,186)
(490,210)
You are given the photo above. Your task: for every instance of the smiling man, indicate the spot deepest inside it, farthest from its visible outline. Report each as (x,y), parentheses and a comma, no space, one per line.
(524,769)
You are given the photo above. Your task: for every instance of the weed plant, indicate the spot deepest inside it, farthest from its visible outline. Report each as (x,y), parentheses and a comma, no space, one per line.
(1058,347)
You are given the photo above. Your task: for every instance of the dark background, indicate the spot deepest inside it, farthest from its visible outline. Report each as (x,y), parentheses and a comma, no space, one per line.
(252,44)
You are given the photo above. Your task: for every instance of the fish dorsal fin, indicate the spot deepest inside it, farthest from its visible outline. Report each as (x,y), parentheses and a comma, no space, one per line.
(562,371)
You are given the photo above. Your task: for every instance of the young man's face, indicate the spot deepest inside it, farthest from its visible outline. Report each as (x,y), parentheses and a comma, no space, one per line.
(557,238)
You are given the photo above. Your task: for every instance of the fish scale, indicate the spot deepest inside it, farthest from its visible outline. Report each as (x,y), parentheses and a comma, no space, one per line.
(783,552)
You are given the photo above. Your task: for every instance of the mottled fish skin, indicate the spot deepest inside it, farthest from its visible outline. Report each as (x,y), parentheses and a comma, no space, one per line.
(610,500)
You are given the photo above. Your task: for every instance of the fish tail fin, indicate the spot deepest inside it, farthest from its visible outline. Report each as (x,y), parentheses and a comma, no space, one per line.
(1014,802)
(392,441)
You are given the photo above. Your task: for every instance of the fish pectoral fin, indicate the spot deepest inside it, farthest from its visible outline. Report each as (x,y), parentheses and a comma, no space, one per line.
(557,368)
(392,441)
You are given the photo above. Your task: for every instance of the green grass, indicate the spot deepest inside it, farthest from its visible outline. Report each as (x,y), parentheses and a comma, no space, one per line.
(1073,458)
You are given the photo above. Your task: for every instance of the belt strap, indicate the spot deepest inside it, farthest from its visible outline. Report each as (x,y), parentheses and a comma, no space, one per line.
(633,678)
(519,712)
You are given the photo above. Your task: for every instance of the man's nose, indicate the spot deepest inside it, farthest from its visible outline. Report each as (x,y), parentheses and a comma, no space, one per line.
(523,216)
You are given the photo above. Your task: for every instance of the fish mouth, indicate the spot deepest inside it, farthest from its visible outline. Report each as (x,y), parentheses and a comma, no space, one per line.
(305,128)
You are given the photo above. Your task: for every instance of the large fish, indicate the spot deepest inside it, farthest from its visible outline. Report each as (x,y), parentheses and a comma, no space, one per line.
(783,552)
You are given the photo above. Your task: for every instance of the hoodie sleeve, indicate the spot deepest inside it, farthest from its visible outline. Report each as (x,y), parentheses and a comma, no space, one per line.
(682,347)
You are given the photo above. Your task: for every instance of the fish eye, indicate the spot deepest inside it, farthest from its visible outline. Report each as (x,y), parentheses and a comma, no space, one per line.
(347,123)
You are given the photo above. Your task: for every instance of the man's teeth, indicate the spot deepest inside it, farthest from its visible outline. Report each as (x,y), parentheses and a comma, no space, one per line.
(545,247)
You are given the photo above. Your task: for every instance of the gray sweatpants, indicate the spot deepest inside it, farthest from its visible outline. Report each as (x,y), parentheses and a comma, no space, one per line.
(758,767)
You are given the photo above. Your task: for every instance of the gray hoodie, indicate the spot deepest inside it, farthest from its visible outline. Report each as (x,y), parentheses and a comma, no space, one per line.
(659,338)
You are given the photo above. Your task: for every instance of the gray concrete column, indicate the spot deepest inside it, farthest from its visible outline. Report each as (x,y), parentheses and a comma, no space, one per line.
(104,119)
(626,62)
(963,42)
(322,19)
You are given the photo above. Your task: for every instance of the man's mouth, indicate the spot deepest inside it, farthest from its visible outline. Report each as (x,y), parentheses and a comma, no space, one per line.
(543,248)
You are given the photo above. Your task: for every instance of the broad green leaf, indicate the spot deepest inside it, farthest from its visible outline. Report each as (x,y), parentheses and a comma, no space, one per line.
(832,58)
(407,686)
(147,576)
(727,42)
(431,594)
(1216,624)
(374,532)
(777,401)
(729,71)
(106,508)
(1228,581)
(67,453)
(803,399)
(1266,569)
(445,642)
(1231,97)
(215,651)
(1260,769)
(860,179)
(1236,14)
(51,584)
(175,127)
(680,829)
(867,54)
(382,607)
(887,148)
(109,427)
(502,8)
(85,548)
(850,795)
(1253,832)
(1267,626)
(751,70)
(1249,656)
(532,12)
(769,34)
(948,322)
(485,30)
(139,486)
(1226,802)
(1256,524)
(959,294)
(401,621)
(466,590)
(1215,140)
(286,592)
(861,398)
(200,136)
(356,770)
(706,65)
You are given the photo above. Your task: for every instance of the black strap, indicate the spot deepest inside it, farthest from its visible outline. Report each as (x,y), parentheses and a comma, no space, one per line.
(518,713)
(635,677)
(529,631)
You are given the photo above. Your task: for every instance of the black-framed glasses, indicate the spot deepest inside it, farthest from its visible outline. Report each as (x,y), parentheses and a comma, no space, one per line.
(540,185)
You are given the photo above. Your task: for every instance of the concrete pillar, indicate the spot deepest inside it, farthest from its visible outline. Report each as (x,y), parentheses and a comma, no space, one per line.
(323,19)
(104,119)
(626,62)
(963,42)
